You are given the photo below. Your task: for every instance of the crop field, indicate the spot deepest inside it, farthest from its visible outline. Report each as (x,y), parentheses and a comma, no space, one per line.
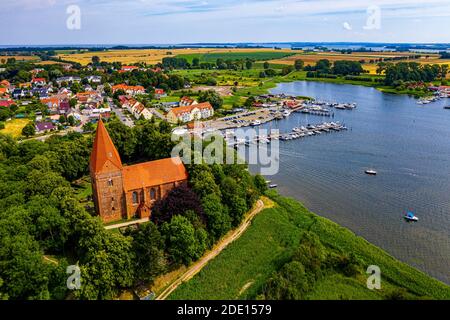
(367,57)
(19,58)
(240,271)
(14,127)
(153,56)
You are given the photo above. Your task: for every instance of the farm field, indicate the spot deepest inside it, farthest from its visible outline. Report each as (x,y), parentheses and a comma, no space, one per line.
(241,270)
(260,55)
(14,127)
(312,58)
(153,56)
(19,58)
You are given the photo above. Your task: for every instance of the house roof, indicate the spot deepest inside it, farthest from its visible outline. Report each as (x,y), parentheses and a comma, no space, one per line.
(153,173)
(104,156)
(41,126)
(186,109)
(125,87)
(38,80)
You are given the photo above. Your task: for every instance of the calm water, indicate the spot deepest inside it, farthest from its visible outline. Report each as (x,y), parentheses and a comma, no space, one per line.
(408,144)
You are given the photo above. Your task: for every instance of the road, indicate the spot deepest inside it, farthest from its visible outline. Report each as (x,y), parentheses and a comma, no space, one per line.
(126,224)
(229,238)
(119,112)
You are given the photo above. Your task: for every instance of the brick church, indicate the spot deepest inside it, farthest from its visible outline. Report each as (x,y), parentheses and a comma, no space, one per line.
(126,192)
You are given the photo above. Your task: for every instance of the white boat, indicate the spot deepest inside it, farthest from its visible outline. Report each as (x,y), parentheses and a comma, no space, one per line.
(371,172)
(286,113)
(255,123)
(411,217)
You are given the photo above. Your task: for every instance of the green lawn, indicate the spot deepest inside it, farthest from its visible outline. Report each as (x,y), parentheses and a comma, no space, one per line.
(257,56)
(241,269)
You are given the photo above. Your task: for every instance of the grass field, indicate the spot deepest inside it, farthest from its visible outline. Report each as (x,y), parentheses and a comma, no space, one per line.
(241,269)
(153,56)
(262,55)
(14,127)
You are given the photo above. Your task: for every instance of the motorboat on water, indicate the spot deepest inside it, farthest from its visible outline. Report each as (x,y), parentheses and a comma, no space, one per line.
(286,113)
(371,172)
(256,123)
(447,107)
(409,216)
(273,185)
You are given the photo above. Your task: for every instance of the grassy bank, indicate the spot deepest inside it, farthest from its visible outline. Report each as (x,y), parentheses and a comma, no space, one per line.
(242,269)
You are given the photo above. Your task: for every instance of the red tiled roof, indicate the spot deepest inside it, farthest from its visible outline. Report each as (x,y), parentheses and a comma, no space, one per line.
(153,173)
(104,155)
(180,110)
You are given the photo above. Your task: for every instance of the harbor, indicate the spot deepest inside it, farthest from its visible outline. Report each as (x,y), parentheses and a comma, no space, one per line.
(296,133)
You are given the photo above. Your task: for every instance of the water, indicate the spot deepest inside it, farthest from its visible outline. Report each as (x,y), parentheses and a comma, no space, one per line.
(408,144)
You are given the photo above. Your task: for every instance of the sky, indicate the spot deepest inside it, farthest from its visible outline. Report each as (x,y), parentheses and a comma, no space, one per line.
(59,22)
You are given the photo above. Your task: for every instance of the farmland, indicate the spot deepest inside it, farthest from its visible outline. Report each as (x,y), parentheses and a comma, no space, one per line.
(370,58)
(19,58)
(261,55)
(14,127)
(153,56)
(241,270)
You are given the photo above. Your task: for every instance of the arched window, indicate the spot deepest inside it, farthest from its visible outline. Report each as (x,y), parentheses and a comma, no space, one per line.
(152,194)
(135,197)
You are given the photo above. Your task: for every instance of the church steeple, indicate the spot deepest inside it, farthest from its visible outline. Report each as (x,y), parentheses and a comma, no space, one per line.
(104,156)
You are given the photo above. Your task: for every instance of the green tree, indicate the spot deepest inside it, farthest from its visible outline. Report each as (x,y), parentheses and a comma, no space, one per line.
(29,130)
(184,244)
(149,254)
(219,222)
(266,65)
(299,64)
(212,97)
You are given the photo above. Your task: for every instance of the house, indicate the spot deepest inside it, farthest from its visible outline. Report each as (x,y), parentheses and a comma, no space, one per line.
(64,107)
(20,93)
(40,92)
(67,66)
(160,93)
(6,103)
(52,103)
(94,79)
(125,192)
(140,111)
(136,108)
(128,69)
(129,90)
(38,81)
(5,84)
(186,101)
(44,127)
(68,80)
(190,113)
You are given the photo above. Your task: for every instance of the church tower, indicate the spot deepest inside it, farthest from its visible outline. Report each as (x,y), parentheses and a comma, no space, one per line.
(106,176)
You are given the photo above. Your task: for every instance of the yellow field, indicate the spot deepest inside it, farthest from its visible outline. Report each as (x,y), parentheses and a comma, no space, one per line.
(14,127)
(150,56)
(19,58)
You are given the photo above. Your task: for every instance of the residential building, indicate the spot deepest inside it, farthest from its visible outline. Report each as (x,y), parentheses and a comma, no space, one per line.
(190,113)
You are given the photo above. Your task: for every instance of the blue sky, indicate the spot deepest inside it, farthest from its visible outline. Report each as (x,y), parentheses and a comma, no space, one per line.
(31,22)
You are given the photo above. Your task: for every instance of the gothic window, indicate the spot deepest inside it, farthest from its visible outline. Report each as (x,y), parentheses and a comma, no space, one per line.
(110,183)
(152,194)
(135,197)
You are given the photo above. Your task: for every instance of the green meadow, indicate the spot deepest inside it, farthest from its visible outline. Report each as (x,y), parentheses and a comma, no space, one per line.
(243,268)
(257,56)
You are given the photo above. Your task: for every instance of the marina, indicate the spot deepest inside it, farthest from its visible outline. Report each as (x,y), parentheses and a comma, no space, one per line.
(405,143)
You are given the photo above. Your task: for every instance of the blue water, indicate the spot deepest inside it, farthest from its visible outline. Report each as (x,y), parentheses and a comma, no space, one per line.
(408,144)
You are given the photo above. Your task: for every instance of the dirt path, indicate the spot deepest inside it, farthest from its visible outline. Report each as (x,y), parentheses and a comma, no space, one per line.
(229,238)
